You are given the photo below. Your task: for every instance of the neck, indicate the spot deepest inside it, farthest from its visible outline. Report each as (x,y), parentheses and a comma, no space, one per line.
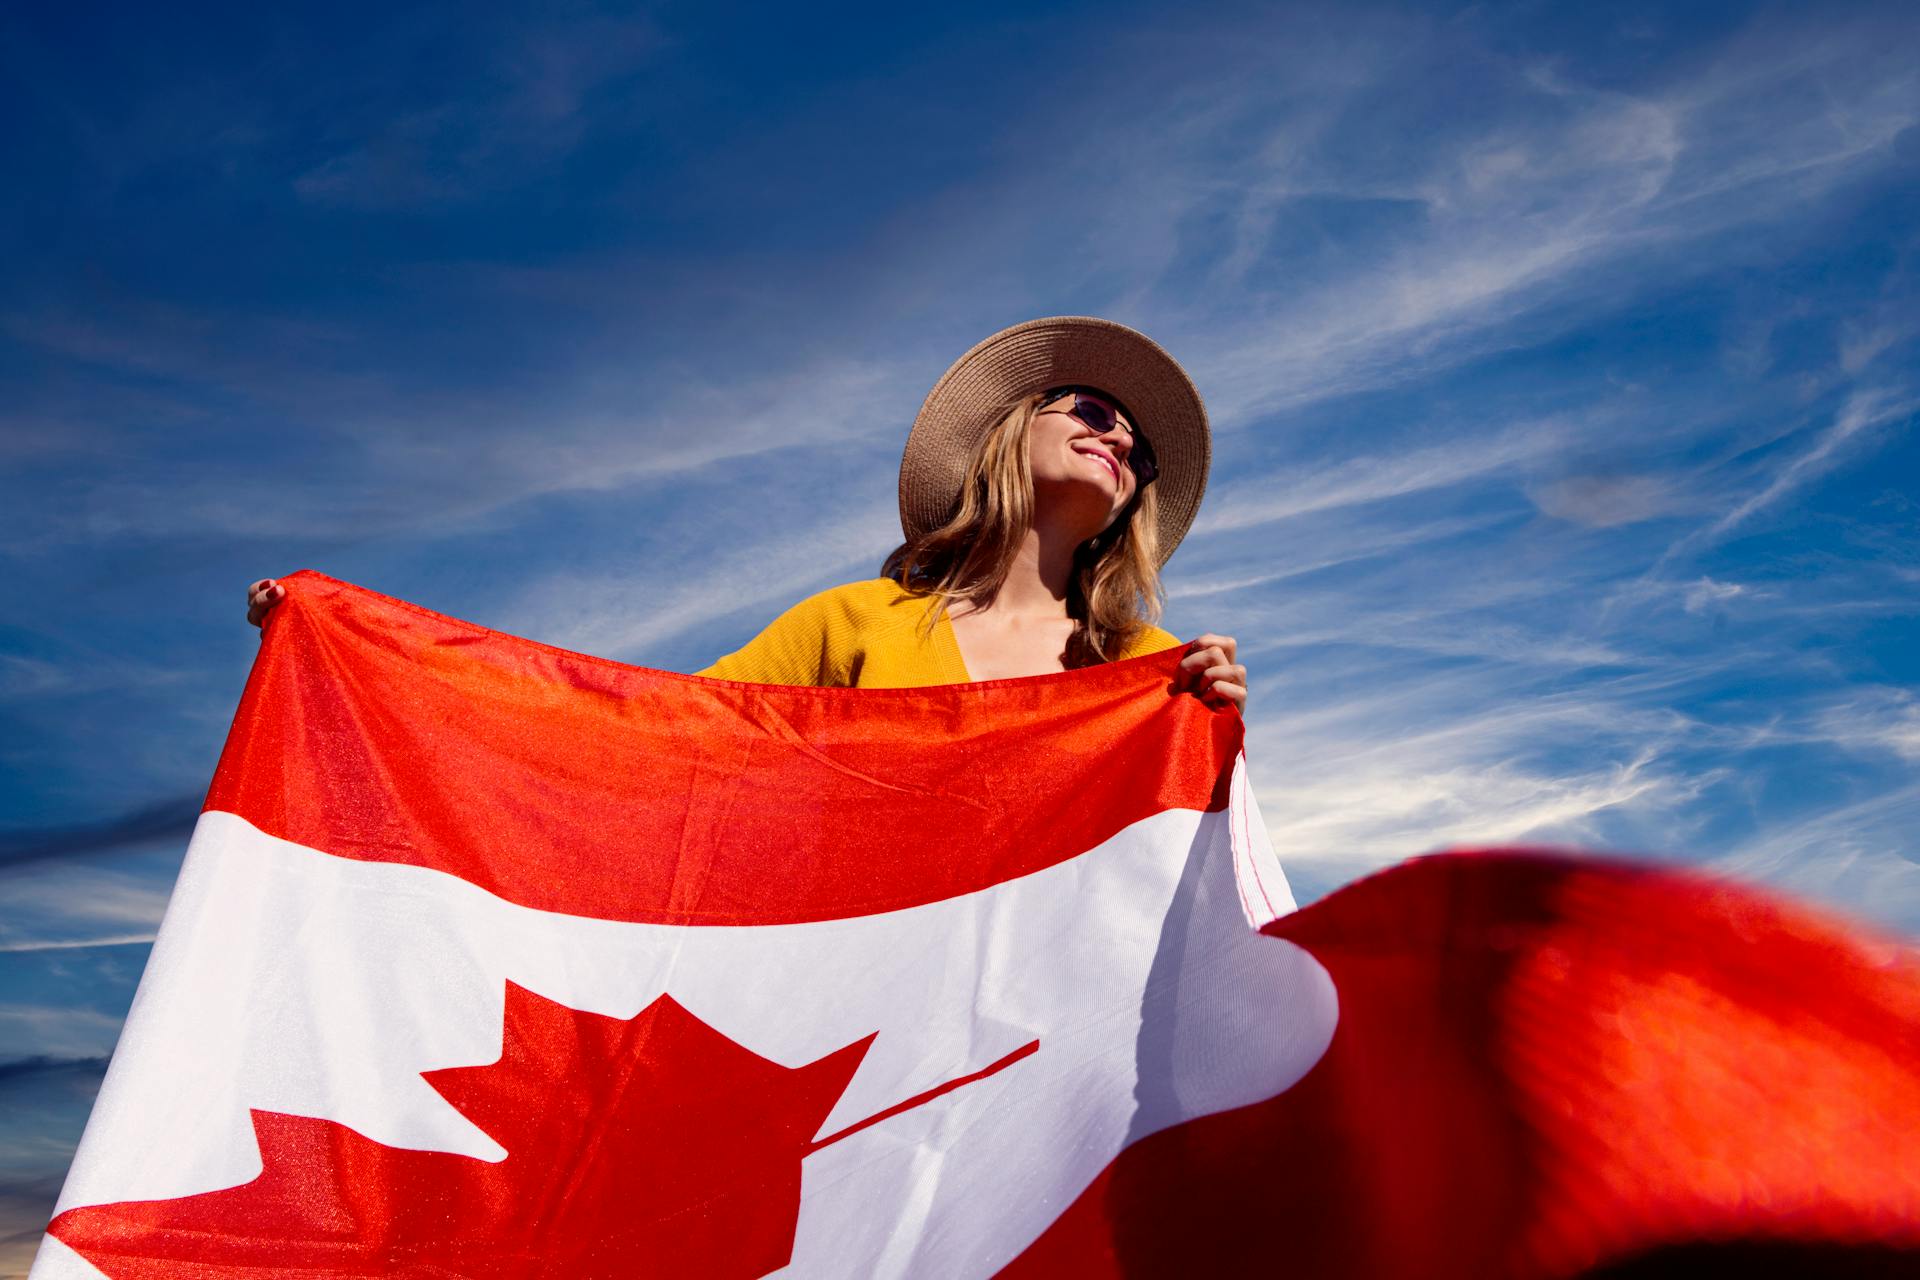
(1041,572)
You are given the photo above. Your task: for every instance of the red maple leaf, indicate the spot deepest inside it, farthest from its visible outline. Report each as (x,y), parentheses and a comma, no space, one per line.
(653,1145)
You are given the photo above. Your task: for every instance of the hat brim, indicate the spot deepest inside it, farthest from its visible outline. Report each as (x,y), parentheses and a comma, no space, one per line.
(1053,352)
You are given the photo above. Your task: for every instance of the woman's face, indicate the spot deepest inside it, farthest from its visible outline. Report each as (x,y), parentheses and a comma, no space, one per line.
(1078,466)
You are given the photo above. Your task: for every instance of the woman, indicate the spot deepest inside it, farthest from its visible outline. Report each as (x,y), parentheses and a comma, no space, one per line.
(1037,516)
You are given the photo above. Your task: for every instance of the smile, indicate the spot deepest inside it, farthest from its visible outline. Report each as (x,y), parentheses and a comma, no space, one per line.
(1113,468)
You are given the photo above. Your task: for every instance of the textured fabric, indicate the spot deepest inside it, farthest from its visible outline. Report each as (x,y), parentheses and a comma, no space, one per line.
(593,762)
(490,960)
(866,635)
(494,961)
(1550,1067)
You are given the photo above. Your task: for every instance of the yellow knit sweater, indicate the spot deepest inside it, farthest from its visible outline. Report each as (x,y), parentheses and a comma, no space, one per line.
(865,635)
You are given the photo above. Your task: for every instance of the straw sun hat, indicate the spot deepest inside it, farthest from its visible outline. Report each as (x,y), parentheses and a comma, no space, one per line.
(1058,351)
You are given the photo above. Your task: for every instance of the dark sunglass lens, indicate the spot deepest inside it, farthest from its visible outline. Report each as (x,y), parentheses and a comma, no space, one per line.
(1093,413)
(1140,458)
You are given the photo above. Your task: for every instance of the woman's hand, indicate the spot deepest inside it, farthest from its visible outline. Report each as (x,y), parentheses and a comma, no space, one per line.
(262,596)
(1209,670)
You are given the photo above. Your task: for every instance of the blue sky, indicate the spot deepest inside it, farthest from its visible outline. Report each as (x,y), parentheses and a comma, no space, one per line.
(1561,362)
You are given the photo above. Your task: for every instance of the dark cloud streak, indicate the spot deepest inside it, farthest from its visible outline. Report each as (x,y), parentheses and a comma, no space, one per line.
(40,1067)
(170,819)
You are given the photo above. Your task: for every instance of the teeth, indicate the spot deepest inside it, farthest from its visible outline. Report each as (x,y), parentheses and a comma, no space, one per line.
(1113,468)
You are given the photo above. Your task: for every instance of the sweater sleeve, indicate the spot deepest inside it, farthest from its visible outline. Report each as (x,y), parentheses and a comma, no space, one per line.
(803,646)
(1152,640)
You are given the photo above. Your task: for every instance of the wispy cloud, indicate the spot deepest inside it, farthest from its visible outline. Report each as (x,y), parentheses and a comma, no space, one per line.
(1856,855)
(167,821)
(632,614)
(1311,548)
(57,1031)
(78,944)
(1356,481)
(1864,409)
(460,144)
(1575,190)
(15,1070)
(1872,719)
(1564,192)
(1707,593)
(1353,782)
(26,677)
(97,903)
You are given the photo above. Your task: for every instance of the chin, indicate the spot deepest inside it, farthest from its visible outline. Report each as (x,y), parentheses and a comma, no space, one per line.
(1079,494)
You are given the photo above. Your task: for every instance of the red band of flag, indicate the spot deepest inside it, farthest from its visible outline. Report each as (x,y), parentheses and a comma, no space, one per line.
(376,730)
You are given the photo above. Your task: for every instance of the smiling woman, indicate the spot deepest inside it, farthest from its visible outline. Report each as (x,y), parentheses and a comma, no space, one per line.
(1051,471)
(1037,508)
(1051,467)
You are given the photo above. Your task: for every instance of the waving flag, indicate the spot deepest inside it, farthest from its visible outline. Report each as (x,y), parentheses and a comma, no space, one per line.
(493,960)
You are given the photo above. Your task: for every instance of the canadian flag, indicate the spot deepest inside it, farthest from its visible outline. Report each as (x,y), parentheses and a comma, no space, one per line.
(493,960)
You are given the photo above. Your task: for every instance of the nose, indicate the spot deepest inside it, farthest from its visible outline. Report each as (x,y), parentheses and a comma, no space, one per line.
(1119,439)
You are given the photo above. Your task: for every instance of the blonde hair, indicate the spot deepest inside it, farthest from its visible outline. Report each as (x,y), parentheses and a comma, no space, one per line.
(1114,593)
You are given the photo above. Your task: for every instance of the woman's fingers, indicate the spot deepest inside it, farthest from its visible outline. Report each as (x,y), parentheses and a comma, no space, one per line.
(1225,644)
(262,596)
(1234,693)
(1215,649)
(1209,669)
(1201,658)
(1228,680)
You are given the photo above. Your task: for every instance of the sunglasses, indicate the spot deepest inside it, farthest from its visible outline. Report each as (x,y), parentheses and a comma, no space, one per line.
(1090,408)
